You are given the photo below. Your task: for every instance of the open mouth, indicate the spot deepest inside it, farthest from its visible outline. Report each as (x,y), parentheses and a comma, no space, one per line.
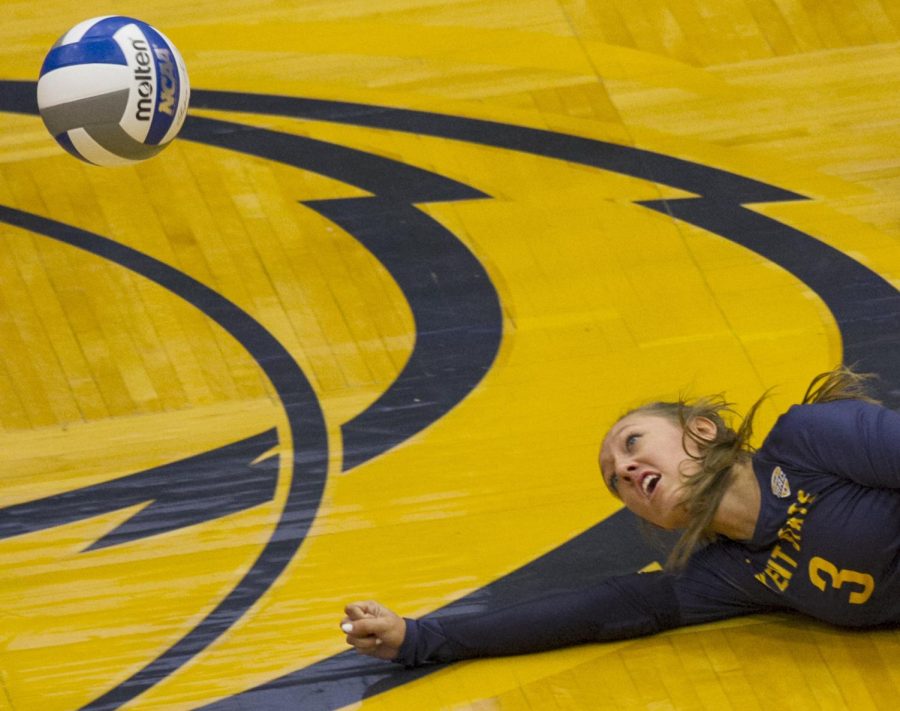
(649,482)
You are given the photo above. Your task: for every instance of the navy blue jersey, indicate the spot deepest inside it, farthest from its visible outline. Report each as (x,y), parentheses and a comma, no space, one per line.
(826,544)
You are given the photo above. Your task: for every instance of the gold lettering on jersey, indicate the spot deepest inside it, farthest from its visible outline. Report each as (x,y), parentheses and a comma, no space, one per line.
(781,565)
(841,578)
(797,511)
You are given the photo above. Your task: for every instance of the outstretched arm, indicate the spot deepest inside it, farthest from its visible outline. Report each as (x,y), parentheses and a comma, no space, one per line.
(618,608)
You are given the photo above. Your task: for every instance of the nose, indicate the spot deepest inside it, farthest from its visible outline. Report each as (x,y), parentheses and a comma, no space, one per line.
(627,470)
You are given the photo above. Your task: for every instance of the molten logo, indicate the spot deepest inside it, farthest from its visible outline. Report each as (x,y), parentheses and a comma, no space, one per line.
(143,75)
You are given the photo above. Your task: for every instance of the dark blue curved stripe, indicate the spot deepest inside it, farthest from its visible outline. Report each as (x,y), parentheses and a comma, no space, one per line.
(458,320)
(98,51)
(627,160)
(307,431)
(457,311)
(865,306)
(380,176)
(178,494)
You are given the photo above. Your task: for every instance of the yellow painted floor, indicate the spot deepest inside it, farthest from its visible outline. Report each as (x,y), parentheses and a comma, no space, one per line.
(358,332)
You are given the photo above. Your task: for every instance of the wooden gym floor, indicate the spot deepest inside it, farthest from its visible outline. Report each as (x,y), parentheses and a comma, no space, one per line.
(358,332)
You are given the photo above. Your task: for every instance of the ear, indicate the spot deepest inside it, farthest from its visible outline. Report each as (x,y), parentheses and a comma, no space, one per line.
(704,428)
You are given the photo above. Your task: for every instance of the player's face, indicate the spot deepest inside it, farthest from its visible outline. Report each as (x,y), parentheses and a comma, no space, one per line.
(644,463)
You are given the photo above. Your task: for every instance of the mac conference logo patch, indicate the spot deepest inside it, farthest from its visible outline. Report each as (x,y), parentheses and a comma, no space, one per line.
(283,469)
(781,487)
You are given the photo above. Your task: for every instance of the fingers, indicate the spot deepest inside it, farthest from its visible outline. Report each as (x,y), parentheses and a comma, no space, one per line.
(369,626)
(373,629)
(357,611)
(367,637)
(360,610)
(365,645)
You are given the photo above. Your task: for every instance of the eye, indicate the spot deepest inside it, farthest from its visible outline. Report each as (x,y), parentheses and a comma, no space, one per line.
(630,440)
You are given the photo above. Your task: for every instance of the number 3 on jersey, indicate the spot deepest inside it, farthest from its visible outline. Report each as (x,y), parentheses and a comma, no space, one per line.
(839,578)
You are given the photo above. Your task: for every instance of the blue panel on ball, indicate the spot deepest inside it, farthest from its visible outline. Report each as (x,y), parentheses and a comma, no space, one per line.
(63,140)
(168,85)
(108,26)
(96,51)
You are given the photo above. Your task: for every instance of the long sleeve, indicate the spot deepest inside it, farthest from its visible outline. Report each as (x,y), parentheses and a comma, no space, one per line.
(850,438)
(618,608)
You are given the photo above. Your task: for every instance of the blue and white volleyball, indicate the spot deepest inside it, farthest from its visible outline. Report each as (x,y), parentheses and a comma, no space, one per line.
(113,90)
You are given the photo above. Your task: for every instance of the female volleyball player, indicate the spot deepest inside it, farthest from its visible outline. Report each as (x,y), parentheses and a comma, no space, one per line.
(809,522)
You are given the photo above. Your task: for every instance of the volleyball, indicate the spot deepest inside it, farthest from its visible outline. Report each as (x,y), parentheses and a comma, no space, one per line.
(113,90)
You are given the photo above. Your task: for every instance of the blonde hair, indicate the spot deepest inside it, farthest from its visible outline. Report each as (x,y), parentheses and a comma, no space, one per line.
(730,445)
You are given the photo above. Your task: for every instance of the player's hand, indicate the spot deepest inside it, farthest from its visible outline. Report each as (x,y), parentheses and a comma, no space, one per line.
(373,630)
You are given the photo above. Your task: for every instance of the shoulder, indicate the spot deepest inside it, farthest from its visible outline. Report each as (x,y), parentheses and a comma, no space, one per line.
(835,410)
(852,438)
(827,418)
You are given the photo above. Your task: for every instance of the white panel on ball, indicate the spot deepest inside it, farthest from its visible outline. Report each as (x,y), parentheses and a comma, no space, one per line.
(79,82)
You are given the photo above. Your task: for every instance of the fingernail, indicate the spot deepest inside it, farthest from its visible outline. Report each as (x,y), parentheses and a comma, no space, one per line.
(347,627)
